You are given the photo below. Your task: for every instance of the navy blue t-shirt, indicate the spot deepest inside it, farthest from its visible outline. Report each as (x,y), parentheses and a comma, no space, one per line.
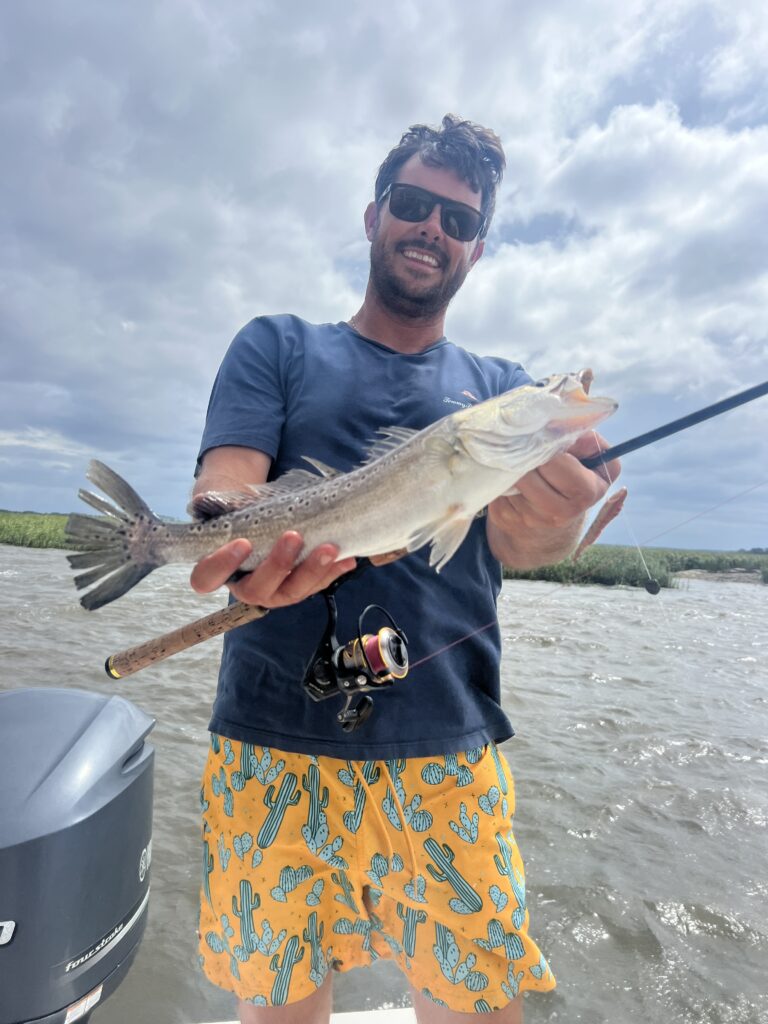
(290,388)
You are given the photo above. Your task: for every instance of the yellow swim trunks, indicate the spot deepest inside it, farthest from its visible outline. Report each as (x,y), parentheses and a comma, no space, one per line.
(315,863)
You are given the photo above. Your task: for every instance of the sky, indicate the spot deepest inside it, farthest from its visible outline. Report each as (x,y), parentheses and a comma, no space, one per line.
(172,169)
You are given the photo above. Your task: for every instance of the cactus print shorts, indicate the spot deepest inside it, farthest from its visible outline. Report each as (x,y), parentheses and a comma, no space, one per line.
(313,863)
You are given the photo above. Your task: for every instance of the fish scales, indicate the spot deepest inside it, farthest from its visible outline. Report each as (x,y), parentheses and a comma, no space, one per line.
(416,487)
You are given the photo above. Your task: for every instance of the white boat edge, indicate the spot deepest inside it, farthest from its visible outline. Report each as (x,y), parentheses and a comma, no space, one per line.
(399,1016)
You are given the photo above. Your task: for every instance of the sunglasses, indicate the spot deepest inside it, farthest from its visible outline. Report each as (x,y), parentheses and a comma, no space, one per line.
(414,204)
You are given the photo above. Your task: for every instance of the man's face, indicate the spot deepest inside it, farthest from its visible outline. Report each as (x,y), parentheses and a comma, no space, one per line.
(417,268)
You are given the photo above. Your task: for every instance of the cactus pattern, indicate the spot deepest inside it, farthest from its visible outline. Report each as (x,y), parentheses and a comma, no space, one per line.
(499,769)
(498,898)
(284,970)
(263,769)
(224,852)
(371,774)
(489,800)
(358,927)
(313,897)
(481,1006)
(247,761)
(215,743)
(313,935)
(512,985)
(267,943)
(541,968)
(420,821)
(219,787)
(380,867)
(506,868)
(467,830)
(219,943)
(317,803)
(342,880)
(242,844)
(286,797)
(229,756)
(415,889)
(411,920)
(428,995)
(448,955)
(289,879)
(207,869)
(434,773)
(248,903)
(468,902)
(510,942)
(315,832)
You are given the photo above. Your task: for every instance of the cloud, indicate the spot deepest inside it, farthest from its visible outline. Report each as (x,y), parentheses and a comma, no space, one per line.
(172,169)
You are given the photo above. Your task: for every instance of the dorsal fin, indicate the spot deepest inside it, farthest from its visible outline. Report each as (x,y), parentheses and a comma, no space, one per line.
(211,504)
(221,503)
(389,439)
(322,468)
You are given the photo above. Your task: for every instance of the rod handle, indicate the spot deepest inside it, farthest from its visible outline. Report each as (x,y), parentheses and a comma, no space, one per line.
(125,663)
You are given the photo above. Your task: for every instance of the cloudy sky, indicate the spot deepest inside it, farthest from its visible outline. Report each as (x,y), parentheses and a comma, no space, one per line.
(173,168)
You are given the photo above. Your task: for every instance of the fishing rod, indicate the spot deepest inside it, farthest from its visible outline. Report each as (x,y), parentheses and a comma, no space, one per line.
(593,461)
(131,660)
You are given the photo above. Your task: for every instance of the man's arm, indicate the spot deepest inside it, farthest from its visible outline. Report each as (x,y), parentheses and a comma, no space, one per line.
(542,524)
(274,582)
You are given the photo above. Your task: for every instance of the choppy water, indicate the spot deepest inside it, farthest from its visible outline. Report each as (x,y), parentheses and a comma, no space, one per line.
(642,781)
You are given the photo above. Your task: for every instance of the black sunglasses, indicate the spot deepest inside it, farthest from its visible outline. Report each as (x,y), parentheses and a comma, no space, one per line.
(414,204)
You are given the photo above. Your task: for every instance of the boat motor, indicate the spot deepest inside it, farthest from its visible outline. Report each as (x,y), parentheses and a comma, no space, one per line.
(75,850)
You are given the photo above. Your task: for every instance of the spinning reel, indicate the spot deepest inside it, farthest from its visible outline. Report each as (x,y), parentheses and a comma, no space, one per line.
(370,661)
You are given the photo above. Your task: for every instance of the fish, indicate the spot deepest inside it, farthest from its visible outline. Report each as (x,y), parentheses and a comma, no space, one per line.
(414,487)
(607,512)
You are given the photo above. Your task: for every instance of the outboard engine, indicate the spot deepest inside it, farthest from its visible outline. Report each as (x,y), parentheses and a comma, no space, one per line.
(75,849)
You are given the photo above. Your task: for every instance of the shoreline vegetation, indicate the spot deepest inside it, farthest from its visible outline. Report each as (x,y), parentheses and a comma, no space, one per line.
(604,564)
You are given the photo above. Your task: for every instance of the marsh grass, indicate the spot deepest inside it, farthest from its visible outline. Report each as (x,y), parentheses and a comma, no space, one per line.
(605,564)
(33,529)
(611,565)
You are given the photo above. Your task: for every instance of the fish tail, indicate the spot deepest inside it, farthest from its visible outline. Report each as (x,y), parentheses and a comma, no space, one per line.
(115,549)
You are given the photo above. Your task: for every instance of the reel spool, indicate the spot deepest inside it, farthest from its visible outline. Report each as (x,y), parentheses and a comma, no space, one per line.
(370,661)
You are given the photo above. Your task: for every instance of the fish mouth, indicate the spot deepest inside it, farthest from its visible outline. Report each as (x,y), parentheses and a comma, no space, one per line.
(581,413)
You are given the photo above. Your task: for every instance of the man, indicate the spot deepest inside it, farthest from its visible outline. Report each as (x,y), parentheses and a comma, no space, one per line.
(324,848)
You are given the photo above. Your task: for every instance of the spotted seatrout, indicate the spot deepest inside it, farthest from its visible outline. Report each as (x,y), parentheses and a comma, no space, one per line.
(415,488)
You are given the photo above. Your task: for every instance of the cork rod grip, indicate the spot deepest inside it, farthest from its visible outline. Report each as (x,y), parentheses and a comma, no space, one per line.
(125,663)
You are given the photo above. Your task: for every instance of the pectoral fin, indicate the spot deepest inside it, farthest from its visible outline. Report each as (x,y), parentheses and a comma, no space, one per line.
(445,535)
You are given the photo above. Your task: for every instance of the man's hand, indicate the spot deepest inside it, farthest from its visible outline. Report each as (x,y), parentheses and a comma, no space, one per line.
(541,524)
(274,583)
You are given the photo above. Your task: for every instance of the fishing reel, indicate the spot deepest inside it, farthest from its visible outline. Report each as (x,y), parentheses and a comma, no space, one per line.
(370,661)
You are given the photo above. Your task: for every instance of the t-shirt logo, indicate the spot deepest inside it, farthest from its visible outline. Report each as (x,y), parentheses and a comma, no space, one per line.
(462,405)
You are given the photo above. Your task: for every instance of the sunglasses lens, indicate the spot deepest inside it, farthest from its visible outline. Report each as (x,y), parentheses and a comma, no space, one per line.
(410,204)
(413,204)
(460,223)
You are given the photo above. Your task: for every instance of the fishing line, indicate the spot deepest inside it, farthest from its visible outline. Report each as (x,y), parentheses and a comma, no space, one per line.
(705,511)
(651,585)
(453,643)
(633,536)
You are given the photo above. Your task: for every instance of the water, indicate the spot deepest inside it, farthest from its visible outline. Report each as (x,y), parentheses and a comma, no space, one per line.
(641,763)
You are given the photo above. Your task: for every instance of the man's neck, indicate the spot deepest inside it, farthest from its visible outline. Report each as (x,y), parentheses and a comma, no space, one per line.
(403,334)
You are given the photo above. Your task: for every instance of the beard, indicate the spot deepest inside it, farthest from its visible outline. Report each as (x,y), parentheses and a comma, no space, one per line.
(412,299)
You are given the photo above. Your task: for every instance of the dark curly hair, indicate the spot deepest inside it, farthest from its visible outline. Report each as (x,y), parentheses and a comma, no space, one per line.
(472,152)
